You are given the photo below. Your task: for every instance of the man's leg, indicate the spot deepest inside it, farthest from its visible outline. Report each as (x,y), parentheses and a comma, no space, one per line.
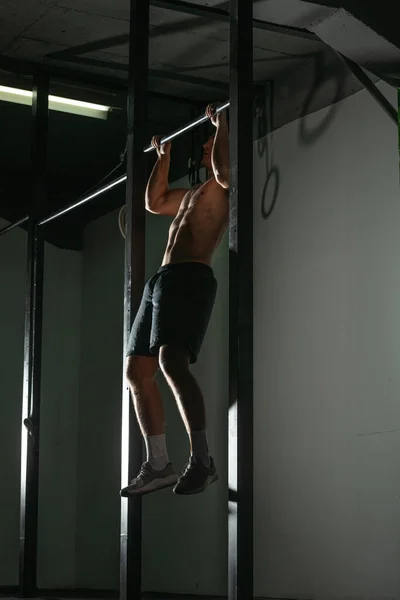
(200,470)
(141,375)
(156,472)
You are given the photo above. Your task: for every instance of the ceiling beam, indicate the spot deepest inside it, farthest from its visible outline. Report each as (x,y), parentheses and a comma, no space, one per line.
(156,73)
(213,13)
(102,82)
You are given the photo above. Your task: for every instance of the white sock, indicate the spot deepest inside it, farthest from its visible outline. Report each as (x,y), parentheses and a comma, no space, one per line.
(156,451)
(199,444)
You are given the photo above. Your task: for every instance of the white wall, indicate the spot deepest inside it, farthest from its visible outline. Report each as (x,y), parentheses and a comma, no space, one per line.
(59,418)
(98,501)
(327,348)
(12,315)
(59,409)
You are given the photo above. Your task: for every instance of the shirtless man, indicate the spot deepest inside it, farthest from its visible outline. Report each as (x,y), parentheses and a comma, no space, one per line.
(173,317)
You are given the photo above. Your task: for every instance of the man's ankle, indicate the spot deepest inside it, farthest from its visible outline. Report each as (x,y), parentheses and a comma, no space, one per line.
(156,451)
(199,446)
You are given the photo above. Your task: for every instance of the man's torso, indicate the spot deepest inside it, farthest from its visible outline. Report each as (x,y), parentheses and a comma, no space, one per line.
(199,225)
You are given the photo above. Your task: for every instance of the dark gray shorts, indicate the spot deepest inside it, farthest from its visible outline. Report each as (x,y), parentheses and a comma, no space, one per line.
(175,310)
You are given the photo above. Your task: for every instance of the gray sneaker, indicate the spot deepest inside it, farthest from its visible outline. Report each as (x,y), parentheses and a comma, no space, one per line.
(149,480)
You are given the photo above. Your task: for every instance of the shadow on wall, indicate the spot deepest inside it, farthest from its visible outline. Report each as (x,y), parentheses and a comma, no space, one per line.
(307,135)
(263,110)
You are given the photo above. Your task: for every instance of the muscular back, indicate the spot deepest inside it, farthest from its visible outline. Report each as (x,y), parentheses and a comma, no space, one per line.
(199,224)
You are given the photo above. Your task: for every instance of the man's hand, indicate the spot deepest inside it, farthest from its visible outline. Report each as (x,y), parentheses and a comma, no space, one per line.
(215,118)
(161,149)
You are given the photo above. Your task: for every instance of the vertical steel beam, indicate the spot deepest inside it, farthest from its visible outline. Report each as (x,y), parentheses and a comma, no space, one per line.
(240,473)
(131,510)
(33,346)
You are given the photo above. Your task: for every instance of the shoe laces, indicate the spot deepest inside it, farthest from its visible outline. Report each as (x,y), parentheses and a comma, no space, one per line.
(188,470)
(144,471)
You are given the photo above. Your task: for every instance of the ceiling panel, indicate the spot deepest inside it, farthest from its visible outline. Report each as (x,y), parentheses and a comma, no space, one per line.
(17,16)
(117,9)
(70,28)
(187,50)
(358,41)
(290,12)
(216,3)
(25,47)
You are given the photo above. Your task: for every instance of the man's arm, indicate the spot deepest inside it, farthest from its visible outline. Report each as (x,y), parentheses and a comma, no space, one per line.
(220,151)
(160,199)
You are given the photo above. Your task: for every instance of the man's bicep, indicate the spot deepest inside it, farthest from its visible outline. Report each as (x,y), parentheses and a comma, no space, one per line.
(171,201)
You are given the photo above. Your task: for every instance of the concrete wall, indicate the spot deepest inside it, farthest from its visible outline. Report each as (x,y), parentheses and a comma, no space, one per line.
(327,347)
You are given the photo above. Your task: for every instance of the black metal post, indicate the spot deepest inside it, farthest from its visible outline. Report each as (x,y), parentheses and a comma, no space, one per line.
(240,474)
(131,510)
(33,347)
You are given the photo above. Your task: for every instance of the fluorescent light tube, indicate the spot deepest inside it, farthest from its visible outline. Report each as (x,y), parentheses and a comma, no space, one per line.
(68,105)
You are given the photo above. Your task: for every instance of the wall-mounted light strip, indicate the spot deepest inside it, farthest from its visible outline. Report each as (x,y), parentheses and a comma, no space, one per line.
(68,105)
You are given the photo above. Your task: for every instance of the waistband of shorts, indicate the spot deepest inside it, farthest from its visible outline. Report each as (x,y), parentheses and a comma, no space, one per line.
(186,266)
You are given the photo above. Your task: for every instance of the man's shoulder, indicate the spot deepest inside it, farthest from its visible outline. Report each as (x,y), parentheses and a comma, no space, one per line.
(214,186)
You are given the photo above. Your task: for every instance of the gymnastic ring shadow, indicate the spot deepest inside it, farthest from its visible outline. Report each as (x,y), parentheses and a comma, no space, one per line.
(273,175)
(262,149)
(307,135)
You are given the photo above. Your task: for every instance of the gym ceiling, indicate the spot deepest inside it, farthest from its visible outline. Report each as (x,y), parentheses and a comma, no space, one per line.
(85,42)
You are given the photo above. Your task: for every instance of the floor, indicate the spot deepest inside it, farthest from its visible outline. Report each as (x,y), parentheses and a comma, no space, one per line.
(148,597)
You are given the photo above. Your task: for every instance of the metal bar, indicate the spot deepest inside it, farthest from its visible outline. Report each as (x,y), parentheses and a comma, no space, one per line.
(218,14)
(33,348)
(13,225)
(369,85)
(187,127)
(83,200)
(123,178)
(240,441)
(131,450)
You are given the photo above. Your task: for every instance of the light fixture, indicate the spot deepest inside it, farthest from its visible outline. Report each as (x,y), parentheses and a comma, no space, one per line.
(68,105)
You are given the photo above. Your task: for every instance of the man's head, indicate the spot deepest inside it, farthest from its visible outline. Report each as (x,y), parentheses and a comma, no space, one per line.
(206,158)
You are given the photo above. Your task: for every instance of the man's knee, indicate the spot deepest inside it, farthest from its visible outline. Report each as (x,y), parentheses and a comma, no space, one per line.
(173,360)
(140,369)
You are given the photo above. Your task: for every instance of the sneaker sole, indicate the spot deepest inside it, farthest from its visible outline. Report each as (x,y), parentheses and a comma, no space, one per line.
(209,481)
(153,486)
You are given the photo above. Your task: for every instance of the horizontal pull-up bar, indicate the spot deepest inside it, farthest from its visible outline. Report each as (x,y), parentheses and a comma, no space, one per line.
(13,225)
(123,178)
(83,200)
(187,127)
